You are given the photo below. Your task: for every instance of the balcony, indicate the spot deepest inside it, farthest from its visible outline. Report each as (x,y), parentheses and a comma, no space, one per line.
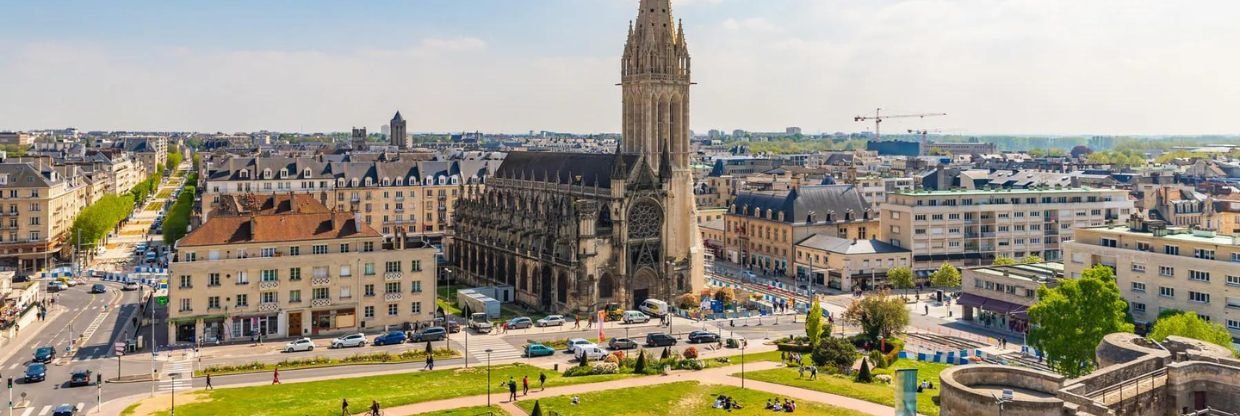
(268,307)
(320,281)
(269,284)
(314,303)
(392,276)
(391,297)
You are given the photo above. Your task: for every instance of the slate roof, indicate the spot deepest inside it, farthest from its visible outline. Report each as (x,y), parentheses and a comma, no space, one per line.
(798,204)
(277,228)
(340,166)
(847,246)
(563,168)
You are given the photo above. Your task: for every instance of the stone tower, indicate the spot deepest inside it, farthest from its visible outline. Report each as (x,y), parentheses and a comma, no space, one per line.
(655,79)
(397,127)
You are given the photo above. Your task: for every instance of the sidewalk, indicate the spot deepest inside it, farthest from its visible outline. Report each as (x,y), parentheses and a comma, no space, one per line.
(21,340)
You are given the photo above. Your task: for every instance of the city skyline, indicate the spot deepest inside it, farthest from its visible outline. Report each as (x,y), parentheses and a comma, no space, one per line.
(1007,68)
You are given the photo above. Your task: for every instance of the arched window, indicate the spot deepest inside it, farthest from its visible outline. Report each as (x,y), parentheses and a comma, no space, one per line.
(369,181)
(340,182)
(354,182)
(456,180)
(244,174)
(387,181)
(400,181)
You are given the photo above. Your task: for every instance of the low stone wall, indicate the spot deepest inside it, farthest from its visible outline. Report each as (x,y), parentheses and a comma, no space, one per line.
(959,398)
(1220,383)
(1113,375)
(1123,348)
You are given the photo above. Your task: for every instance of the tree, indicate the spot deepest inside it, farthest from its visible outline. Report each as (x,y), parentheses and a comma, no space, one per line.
(877,315)
(1189,325)
(725,295)
(901,278)
(639,367)
(1080,150)
(1069,320)
(946,276)
(174,160)
(1030,259)
(1004,261)
(864,375)
(834,352)
(813,323)
(686,301)
(537,409)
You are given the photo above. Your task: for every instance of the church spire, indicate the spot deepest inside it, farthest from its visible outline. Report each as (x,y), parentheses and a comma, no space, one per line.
(619,170)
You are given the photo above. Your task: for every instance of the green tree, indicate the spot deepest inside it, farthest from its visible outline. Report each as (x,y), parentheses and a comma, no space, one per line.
(901,278)
(1030,259)
(1189,325)
(1004,261)
(864,375)
(813,323)
(946,276)
(537,409)
(877,315)
(174,160)
(1069,320)
(177,222)
(639,367)
(834,352)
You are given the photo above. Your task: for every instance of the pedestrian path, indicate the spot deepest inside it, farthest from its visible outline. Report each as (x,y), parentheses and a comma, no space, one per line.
(94,326)
(500,349)
(183,368)
(47,409)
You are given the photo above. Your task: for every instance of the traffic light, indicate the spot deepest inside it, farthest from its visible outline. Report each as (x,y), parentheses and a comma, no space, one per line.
(10,382)
(99,379)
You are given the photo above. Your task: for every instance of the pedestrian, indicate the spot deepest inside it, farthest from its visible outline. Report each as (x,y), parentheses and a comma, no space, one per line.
(576,321)
(209,387)
(590,322)
(374,408)
(525,385)
(813,372)
(344,407)
(542,379)
(927,309)
(430,362)
(512,389)
(800,371)
(275,376)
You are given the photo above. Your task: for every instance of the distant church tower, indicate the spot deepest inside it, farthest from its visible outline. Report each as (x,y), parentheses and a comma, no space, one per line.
(655,79)
(397,127)
(359,138)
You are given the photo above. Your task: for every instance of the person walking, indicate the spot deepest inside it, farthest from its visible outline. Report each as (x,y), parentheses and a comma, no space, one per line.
(512,389)
(275,376)
(344,407)
(374,408)
(576,321)
(813,372)
(542,379)
(430,363)
(525,385)
(209,387)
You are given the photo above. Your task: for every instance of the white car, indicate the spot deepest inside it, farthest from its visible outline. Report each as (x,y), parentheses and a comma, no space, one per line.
(573,343)
(551,320)
(304,344)
(633,317)
(355,340)
(591,351)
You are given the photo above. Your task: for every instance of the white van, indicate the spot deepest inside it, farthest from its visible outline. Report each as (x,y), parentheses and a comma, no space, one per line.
(654,307)
(634,317)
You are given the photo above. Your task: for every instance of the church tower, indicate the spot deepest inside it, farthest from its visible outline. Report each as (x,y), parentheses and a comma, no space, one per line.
(655,80)
(397,128)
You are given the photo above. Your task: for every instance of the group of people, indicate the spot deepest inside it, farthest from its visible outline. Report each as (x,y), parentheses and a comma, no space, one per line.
(726,402)
(786,406)
(925,385)
(344,408)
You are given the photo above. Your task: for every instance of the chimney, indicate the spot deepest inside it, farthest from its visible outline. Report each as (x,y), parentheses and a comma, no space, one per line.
(796,182)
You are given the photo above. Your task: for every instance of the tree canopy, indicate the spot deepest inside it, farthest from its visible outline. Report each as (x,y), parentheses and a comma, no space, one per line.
(1188,324)
(100,218)
(946,276)
(813,323)
(1004,261)
(877,315)
(901,278)
(1069,320)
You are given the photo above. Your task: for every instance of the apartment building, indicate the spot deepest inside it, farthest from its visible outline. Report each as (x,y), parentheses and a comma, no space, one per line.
(847,264)
(973,227)
(999,297)
(294,274)
(761,229)
(416,198)
(1159,267)
(37,206)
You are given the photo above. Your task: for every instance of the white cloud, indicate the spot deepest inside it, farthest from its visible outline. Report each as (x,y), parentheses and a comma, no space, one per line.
(750,23)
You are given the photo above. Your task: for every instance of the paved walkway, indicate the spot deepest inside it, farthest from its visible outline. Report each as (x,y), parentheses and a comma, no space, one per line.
(718,376)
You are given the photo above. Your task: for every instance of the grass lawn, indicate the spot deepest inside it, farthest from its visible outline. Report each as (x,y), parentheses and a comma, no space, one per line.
(772,356)
(129,410)
(411,355)
(683,398)
(164,194)
(448,307)
(323,397)
(927,401)
(469,411)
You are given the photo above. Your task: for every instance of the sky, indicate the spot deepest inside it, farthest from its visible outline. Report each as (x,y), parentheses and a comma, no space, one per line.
(994,66)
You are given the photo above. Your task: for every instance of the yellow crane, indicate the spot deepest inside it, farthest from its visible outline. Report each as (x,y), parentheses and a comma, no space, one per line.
(878,118)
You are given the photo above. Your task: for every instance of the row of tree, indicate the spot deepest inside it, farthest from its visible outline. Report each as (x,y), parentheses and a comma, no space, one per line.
(99,219)
(174,160)
(176,223)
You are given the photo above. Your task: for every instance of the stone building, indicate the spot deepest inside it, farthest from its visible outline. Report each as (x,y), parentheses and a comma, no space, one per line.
(399,138)
(38,203)
(762,228)
(577,231)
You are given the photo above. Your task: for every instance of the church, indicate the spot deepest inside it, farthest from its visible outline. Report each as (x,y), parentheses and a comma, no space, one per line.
(573,232)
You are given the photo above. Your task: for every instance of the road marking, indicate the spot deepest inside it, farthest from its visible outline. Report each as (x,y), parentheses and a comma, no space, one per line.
(28,411)
(500,349)
(45,409)
(82,407)
(14,366)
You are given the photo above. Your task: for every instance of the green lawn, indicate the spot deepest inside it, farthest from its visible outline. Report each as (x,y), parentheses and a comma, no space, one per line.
(683,398)
(927,401)
(323,397)
(410,355)
(772,356)
(448,307)
(469,411)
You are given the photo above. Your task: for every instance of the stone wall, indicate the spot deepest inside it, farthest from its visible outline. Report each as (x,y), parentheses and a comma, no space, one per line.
(1123,348)
(1220,383)
(959,398)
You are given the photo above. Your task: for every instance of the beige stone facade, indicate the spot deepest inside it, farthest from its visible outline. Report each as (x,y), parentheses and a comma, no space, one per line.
(294,274)
(762,228)
(847,264)
(973,227)
(37,206)
(1159,267)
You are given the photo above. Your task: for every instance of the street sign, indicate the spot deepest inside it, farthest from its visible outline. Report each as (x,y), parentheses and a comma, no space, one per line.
(162,300)
(119,347)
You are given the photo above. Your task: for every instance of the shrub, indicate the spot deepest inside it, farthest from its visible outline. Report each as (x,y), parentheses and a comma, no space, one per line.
(578,371)
(879,360)
(864,375)
(604,368)
(686,301)
(834,352)
(640,366)
(688,364)
(537,409)
(894,346)
(691,352)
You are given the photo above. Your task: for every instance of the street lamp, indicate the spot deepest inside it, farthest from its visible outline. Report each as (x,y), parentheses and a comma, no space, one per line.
(743,362)
(488,377)
(173,377)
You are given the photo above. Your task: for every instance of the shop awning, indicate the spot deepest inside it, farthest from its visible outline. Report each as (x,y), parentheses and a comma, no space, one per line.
(992,305)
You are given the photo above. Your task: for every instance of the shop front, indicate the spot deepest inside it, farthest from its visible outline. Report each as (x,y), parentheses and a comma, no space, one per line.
(994,314)
(333,320)
(253,326)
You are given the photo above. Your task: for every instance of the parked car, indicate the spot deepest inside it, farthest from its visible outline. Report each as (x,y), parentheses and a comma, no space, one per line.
(98,288)
(434,333)
(699,336)
(44,354)
(79,377)
(303,344)
(130,286)
(480,323)
(56,286)
(621,344)
(450,324)
(573,343)
(520,322)
(654,307)
(634,317)
(65,410)
(538,350)
(36,372)
(659,339)
(353,340)
(551,320)
(394,337)
(590,351)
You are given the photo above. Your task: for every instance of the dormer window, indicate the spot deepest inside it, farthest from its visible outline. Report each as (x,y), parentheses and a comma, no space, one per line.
(400,181)
(387,181)
(355,182)
(306,173)
(369,181)
(428,181)
(456,180)
(443,180)
(244,174)
(266,173)
(283,173)
(340,183)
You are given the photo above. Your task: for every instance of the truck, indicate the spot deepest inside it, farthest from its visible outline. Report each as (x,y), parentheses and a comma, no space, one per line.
(480,323)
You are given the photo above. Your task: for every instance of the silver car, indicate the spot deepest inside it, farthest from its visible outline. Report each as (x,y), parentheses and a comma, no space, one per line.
(354,340)
(304,344)
(551,320)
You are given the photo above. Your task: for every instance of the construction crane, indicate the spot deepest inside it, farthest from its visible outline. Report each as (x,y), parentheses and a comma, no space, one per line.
(924,148)
(878,118)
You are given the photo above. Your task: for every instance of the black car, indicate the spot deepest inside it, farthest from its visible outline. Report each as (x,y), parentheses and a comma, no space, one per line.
(98,288)
(36,372)
(79,377)
(698,337)
(433,333)
(659,339)
(65,410)
(44,354)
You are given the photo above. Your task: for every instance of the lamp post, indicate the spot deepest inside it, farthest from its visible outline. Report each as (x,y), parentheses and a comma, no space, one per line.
(488,377)
(173,377)
(743,343)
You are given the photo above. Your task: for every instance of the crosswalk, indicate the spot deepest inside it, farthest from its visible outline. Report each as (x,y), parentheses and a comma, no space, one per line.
(94,326)
(183,368)
(500,349)
(47,409)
